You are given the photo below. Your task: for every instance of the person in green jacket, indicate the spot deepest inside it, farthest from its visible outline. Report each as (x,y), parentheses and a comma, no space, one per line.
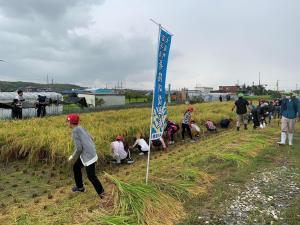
(290,109)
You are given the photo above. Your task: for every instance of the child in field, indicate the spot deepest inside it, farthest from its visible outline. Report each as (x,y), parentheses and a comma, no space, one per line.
(186,123)
(85,156)
(224,123)
(195,128)
(210,126)
(119,152)
(141,145)
(159,143)
(171,129)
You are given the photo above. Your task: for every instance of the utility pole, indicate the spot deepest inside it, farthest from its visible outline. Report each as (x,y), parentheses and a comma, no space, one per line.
(258,78)
(277,85)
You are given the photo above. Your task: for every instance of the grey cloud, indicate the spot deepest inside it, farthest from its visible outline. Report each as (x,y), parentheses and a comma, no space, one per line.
(49,10)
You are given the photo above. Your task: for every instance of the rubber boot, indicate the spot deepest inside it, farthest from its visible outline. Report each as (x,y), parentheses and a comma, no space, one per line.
(283,138)
(290,139)
(245,127)
(238,128)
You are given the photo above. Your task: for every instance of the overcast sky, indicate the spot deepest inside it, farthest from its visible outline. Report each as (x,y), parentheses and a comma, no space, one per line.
(99,42)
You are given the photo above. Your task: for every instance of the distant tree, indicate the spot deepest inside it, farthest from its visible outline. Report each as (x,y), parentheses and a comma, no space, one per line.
(99,102)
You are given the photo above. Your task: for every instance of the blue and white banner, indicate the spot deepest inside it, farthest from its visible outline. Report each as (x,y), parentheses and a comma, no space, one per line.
(159,112)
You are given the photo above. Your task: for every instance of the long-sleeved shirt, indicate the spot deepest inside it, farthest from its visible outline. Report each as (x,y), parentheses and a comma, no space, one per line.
(290,108)
(187,118)
(84,146)
(118,149)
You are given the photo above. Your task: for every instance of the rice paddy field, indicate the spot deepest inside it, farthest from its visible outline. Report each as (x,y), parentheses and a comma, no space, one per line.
(186,182)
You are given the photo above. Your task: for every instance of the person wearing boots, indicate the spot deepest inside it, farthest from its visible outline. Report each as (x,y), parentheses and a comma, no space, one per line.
(241,106)
(290,108)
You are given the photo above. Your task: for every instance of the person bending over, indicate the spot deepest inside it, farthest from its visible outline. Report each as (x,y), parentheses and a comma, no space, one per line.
(119,152)
(84,156)
(141,145)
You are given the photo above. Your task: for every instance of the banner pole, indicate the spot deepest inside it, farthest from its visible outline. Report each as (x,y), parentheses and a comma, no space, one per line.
(150,133)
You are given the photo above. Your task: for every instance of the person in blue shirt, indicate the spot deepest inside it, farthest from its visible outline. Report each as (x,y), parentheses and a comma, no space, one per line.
(290,109)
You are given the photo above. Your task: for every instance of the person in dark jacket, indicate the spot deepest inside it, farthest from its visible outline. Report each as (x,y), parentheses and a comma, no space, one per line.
(224,123)
(241,106)
(254,117)
(41,104)
(263,113)
(290,109)
(220,98)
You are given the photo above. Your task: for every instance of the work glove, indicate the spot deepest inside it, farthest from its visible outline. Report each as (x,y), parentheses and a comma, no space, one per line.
(70,158)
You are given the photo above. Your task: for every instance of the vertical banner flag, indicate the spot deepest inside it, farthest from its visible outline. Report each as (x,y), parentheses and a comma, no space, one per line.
(159,110)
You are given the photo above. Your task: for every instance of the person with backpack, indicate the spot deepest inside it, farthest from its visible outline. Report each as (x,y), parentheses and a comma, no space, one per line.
(290,109)
(186,123)
(84,156)
(241,106)
(171,129)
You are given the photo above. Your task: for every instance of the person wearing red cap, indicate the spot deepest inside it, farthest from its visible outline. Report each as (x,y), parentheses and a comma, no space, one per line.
(84,156)
(118,151)
(186,123)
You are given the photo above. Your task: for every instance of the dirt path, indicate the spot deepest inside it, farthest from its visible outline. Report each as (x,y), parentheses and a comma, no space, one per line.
(261,200)
(268,193)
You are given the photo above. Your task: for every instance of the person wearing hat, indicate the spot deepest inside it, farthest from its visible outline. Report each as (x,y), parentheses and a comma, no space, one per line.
(241,106)
(84,156)
(118,151)
(186,123)
(290,108)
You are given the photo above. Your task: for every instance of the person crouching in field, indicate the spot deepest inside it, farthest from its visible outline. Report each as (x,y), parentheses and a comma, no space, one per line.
(158,143)
(210,126)
(141,145)
(119,152)
(195,128)
(241,110)
(186,123)
(224,123)
(84,155)
(171,129)
(290,107)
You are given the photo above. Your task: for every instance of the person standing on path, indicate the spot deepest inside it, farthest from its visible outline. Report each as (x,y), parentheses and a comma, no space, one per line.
(186,123)
(241,106)
(85,156)
(290,108)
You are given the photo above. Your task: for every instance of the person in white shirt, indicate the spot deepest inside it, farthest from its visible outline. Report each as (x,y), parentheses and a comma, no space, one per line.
(141,145)
(17,105)
(119,153)
(195,128)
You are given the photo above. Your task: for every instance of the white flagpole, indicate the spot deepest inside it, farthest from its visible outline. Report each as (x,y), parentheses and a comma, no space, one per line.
(148,160)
